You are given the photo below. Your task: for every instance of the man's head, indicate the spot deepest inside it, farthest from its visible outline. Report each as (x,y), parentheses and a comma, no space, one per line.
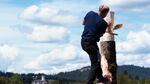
(103,10)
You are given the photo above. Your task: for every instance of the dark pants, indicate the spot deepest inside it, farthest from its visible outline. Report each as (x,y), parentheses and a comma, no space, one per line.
(93,51)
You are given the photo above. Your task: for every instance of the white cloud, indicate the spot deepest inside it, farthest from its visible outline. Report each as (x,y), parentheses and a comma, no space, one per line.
(124,5)
(7,34)
(48,15)
(60,59)
(8,52)
(56,56)
(131,59)
(29,13)
(7,55)
(43,33)
(134,49)
(146,27)
(128,59)
(146,61)
(135,43)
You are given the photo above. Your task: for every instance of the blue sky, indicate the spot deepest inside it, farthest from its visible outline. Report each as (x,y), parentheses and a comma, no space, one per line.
(44,35)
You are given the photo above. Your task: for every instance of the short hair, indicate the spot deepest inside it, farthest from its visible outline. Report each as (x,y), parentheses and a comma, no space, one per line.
(103,8)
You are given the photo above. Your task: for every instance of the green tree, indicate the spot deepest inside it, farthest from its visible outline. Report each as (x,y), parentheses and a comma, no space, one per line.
(15,79)
(2,80)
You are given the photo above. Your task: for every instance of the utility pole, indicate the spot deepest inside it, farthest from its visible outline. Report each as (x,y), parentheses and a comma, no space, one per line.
(108,50)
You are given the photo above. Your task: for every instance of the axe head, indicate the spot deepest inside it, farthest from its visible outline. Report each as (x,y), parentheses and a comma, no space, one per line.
(118,26)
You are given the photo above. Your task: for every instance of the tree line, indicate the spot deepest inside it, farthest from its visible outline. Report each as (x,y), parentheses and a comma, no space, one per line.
(15,78)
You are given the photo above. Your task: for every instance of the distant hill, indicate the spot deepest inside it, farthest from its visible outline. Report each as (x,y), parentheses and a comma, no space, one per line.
(126,73)
(81,74)
(141,72)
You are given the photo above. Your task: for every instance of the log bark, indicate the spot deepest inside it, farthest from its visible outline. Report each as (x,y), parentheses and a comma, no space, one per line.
(108,52)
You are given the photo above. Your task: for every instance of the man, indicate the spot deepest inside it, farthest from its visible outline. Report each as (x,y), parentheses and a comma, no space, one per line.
(94,28)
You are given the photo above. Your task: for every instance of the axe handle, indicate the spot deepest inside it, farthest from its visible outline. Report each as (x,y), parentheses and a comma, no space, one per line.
(111,33)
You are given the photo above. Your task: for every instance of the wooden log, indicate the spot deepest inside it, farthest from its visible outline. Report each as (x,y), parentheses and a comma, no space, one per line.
(108,60)
(108,52)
